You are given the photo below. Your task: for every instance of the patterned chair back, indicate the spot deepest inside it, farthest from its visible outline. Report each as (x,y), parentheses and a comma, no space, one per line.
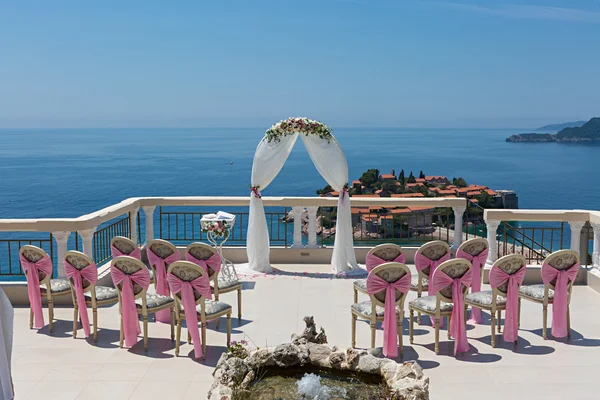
(34,254)
(434,251)
(455,268)
(474,246)
(124,244)
(186,271)
(510,264)
(561,260)
(202,251)
(78,260)
(387,251)
(162,248)
(389,272)
(129,265)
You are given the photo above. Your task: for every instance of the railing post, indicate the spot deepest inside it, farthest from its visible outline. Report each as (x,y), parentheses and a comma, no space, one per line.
(596,250)
(312,226)
(458,226)
(87,237)
(492,228)
(576,236)
(298,211)
(133,232)
(61,248)
(149,213)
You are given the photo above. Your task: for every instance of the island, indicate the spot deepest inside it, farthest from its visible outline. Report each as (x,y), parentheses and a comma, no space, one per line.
(588,132)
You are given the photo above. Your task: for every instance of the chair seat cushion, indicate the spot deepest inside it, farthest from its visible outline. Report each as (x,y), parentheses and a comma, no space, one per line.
(57,286)
(484,298)
(154,300)
(223,285)
(103,293)
(414,282)
(536,291)
(428,304)
(366,308)
(360,284)
(213,307)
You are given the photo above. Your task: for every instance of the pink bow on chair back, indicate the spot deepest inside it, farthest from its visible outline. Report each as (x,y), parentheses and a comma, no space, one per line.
(511,321)
(375,284)
(561,295)
(188,299)
(213,262)
(115,252)
(34,292)
(439,280)
(422,262)
(477,263)
(131,326)
(90,274)
(373,261)
(160,267)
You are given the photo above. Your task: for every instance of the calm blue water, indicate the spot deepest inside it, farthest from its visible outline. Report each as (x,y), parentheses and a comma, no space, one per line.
(70,172)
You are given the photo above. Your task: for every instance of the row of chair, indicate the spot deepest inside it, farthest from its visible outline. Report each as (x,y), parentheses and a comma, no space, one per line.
(448,282)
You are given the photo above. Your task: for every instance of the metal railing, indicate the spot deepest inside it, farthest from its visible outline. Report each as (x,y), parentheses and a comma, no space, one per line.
(533,242)
(102,237)
(10,265)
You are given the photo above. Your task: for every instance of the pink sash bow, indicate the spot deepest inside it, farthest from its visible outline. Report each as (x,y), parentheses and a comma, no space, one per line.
(202,286)
(390,331)
(131,325)
(160,267)
(214,262)
(440,280)
(137,253)
(33,285)
(561,295)
(373,261)
(511,320)
(477,263)
(90,274)
(422,262)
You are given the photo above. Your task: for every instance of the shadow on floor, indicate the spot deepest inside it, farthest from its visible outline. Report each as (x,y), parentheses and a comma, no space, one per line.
(576,339)
(473,355)
(522,347)
(60,329)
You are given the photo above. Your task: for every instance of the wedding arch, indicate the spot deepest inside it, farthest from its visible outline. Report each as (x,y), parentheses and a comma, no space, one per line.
(329,159)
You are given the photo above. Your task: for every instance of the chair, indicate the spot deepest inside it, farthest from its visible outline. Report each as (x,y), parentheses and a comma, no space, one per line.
(205,310)
(131,278)
(203,252)
(442,304)
(427,259)
(79,266)
(476,251)
(160,255)
(123,246)
(559,270)
(387,252)
(37,265)
(495,300)
(374,309)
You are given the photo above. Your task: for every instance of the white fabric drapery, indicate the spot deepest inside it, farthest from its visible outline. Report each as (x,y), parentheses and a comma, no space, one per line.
(330,161)
(6,341)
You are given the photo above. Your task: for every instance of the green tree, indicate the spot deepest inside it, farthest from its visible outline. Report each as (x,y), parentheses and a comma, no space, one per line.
(459,182)
(389,187)
(370,177)
(401,177)
(484,200)
(421,175)
(411,178)
(325,190)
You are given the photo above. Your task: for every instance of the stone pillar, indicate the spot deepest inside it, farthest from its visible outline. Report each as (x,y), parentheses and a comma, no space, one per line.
(596,250)
(492,228)
(87,237)
(61,248)
(149,213)
(312,227)
(298,211)
(133,214)
(458,226)
(576,236)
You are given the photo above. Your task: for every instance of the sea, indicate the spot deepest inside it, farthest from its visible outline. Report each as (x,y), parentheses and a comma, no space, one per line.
(47,173)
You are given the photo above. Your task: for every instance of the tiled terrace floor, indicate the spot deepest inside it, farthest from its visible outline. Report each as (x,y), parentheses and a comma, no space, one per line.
(59,367)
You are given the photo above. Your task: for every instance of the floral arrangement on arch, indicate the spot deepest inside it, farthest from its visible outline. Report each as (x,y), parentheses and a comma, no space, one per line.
(217,228)
(298,125)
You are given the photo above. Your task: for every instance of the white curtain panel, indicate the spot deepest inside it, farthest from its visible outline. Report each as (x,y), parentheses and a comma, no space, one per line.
(6,341)
(330,161)
(268,160)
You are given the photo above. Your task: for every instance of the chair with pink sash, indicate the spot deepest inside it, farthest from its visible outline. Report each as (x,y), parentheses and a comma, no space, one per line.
(82,273)
(476,251)
(387,285)
(131,278)
(506,277)
(161,254)
(387,252)
(123,246)
(190,285)
(37,265)
(202,254)
(559,271)
(427,259)
(450,282)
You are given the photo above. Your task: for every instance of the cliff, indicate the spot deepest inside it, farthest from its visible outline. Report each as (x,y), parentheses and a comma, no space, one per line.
(558,127)
(588,132)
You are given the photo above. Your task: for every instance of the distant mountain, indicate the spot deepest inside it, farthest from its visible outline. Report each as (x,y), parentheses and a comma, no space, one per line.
(588,132)
(558,127)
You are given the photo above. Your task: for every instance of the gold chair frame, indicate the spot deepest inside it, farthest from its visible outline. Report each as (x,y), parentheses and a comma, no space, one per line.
(130,243)
(375,250)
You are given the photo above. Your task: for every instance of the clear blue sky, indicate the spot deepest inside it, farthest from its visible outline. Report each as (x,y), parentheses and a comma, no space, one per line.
(401,63)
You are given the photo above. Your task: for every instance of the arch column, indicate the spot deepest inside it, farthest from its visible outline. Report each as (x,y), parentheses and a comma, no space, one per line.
(61,237)
(312,227)
(298,211)
(492,228)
